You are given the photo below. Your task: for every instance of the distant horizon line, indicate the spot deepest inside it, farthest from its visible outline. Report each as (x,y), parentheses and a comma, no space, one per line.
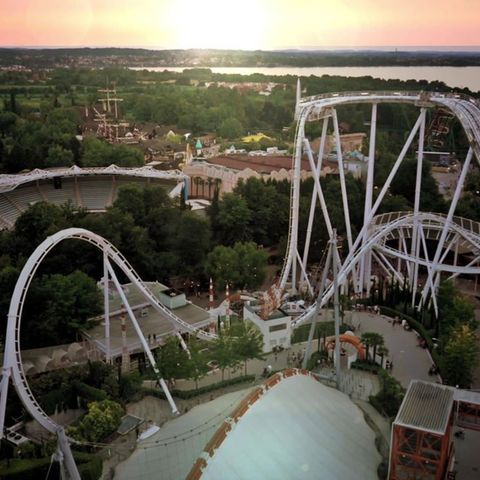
(410,48)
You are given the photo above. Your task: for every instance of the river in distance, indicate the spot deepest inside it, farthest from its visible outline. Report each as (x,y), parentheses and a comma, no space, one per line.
(459,77)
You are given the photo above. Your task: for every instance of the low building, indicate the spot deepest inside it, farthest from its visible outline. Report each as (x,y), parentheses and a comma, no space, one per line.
(226,171)
(154,325)
(276,328)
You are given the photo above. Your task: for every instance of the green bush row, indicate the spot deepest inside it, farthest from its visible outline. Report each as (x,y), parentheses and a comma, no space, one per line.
(366,367)
(89,467)
(89,393)
(186,394)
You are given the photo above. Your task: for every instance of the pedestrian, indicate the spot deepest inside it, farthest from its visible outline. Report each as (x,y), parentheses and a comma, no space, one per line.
(289,359)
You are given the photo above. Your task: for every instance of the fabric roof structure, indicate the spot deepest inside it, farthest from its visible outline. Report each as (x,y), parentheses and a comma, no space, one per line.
(297,428)
(10,182)
(427,406)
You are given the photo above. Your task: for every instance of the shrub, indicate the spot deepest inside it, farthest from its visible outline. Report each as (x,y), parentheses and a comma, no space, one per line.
(388,400)
(366,367)
(88,392)
(186,394)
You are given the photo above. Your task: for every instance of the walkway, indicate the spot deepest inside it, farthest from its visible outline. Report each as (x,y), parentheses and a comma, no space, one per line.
(409,360)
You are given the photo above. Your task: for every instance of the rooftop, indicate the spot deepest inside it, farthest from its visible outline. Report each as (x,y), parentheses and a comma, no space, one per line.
(152,323)
(427,406)
(297,429)
(263,164)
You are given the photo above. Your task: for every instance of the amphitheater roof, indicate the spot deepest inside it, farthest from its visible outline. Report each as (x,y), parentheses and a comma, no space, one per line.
(298,429)
(10,182)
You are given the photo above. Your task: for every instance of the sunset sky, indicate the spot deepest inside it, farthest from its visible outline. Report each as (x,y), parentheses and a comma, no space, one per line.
(244,24)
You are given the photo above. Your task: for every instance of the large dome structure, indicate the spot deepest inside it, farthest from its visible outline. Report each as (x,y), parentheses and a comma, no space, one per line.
(296,428)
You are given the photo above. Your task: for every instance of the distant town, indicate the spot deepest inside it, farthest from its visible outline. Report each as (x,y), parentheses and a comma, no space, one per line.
(137,57)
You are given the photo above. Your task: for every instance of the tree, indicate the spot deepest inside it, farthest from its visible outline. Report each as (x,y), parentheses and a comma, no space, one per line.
(454,308)
(248,343)
(59,157)
(58,306)
(242,266)
(192,243)
(372,339)
(35,224)
(222,351)
(102,419)
(232,220)
(8,120)
(230,128)
(390,396)
(460,356)
(172,359)
(197,363)
(383,352)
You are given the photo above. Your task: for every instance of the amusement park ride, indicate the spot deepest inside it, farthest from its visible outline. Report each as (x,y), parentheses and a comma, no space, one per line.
(397,242)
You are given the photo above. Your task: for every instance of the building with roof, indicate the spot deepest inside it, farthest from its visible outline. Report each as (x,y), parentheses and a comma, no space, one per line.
(228,170)
(276,327)
(422,444)
(155,327)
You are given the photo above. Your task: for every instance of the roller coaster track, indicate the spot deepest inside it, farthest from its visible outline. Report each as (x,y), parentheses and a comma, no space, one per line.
(12,365)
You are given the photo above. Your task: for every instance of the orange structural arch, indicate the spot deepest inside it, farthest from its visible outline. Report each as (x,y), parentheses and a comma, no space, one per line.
(352,340)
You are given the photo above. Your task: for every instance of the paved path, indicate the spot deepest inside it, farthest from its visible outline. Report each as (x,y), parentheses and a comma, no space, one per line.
(409,360)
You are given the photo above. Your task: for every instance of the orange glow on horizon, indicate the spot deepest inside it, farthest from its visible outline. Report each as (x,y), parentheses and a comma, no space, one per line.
(246,24)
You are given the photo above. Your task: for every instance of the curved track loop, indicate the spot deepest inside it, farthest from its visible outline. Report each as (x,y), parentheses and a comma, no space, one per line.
(13,359)
(376,239)
(466,109)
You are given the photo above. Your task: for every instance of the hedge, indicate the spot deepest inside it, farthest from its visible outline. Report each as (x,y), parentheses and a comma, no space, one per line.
(89,393)
(92,469)
(366,367)
(89,467)
(186,394)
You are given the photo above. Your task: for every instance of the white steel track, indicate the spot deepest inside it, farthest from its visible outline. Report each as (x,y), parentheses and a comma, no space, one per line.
(12,363)
(450,232)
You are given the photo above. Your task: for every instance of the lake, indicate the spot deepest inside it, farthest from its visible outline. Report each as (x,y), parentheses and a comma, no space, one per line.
(453,76)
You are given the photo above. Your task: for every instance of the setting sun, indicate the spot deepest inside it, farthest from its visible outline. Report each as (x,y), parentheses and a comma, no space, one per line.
(217,24)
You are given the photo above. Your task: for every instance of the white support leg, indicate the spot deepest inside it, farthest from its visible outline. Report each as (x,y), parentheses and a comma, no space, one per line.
(405,251)
(6,374)
(448,220)
(384,190)
(336,310)
(429,268)
(418,179)
(321,290)
(391,270)
(313,203)
(416,255)
(453,276)
(291,263)
(343,185)
(106,304)
(365,262)
(321,198)
(141,337)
